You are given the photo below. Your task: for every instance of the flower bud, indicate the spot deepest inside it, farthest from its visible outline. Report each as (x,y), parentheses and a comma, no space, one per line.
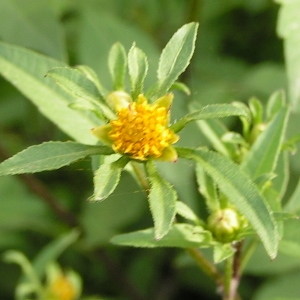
(224,224)
(118,100)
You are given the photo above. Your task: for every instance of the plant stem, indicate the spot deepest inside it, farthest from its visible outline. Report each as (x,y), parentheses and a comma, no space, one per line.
(208,268)
(228,278)
(234,274)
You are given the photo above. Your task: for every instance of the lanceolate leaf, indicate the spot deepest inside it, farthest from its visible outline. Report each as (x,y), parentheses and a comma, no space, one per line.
(211,112)
(214,130)
(180,235)
(79,86)
(26,70)
(162,201)
(241,192)
(138,68)
(263,155)
(49,156)
(117,62)
(107,178)
(176,57)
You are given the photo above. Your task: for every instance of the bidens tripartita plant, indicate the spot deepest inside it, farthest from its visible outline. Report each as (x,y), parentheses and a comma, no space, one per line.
(129,128)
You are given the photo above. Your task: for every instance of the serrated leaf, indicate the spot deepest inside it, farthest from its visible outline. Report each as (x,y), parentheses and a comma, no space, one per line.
(212,112)
(49,156)
(241,192)
(162,201)
(79,86)
(26,69)
(186,212)
(107,178)
(117,62)
(138,68)
(180,236)
(175,57)
(263,155)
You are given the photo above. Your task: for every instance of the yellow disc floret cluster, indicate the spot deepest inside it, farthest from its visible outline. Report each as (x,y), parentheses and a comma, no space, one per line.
(62,289)
(141,130)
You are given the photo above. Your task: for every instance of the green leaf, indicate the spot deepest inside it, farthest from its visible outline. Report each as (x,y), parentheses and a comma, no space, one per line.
(256,109)
(162,201)
(214,130)
(288,28)
(175,57)
(275,103)
(212,112)
(185,211)
(49,156)
(107,178)
(138,68)
(117,62)
(79,86)
(180,86)
(241,192)
(264,153)
(53,250)
(33,280)
(207,188)
(222,252)
(92,76)
(26,69)
(293,204)
(180,236)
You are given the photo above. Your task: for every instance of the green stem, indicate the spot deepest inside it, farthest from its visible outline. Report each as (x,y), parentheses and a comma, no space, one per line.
(209,269)
(228,278)
(141,176)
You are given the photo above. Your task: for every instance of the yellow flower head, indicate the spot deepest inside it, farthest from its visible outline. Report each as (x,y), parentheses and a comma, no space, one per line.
(141,130)
(62,289)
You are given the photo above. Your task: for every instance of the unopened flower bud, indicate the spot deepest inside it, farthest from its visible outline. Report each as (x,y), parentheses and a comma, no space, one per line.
(224,225)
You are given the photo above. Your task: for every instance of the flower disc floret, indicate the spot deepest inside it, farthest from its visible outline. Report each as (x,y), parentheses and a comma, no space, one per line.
(141,129)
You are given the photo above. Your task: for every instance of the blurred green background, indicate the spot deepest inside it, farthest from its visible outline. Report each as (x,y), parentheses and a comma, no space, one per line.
(238,55)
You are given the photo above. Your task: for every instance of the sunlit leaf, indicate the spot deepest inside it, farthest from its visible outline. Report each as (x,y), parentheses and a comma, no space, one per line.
(211,112)
(26,70)
(162,201)
(138,68)
(117,62)
(107,178)
(49,156)
(180,235)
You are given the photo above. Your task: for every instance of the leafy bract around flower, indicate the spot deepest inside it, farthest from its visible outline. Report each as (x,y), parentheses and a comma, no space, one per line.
(141,129)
